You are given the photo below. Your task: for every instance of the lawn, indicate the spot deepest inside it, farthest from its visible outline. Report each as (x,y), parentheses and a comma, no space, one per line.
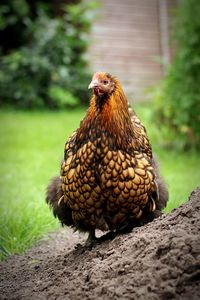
(31,150)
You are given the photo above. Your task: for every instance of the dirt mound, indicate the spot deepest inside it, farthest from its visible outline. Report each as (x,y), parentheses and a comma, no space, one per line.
(160,260)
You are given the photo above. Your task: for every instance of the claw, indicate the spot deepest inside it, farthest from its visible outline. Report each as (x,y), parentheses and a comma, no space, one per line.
(91,240)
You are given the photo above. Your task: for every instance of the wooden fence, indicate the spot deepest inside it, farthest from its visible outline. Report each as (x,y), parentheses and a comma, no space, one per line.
(128,39)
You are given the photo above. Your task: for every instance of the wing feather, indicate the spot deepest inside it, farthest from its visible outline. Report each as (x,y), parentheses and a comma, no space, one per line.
(140,133)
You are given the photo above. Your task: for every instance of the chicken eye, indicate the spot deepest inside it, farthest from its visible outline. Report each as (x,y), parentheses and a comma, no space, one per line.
(105,81)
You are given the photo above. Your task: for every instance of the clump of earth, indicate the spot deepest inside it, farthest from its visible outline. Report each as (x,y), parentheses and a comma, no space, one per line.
(160,260)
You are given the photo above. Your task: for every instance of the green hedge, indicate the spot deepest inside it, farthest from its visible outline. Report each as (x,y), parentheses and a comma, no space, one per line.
(177,97)
(49,68)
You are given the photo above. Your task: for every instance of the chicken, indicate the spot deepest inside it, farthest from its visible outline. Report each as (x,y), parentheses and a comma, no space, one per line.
(109,178)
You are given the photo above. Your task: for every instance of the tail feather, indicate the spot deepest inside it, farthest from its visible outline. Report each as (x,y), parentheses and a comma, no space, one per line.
(55,197)
(162,191)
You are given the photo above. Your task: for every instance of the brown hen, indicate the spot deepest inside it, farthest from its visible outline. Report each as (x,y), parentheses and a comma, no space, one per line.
(109,178)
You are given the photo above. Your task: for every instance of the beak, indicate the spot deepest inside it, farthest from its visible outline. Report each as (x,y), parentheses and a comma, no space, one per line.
(93,84)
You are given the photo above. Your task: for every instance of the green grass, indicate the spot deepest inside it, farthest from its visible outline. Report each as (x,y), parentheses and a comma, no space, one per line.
(31,148)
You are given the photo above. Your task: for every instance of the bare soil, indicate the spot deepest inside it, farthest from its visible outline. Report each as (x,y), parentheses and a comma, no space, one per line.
(160,260)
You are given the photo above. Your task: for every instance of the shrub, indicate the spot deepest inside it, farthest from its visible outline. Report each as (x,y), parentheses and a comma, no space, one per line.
(177,97)
(51,65)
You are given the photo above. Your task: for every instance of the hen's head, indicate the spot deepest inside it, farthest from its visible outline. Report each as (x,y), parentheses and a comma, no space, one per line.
(103,84)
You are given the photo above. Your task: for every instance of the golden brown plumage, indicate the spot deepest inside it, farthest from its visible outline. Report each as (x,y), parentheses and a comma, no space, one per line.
(109,179)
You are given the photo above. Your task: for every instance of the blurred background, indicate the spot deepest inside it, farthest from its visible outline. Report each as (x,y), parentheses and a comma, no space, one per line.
(48,52)
(130,38)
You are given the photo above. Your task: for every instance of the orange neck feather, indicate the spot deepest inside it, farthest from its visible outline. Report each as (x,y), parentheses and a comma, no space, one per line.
(112,116)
